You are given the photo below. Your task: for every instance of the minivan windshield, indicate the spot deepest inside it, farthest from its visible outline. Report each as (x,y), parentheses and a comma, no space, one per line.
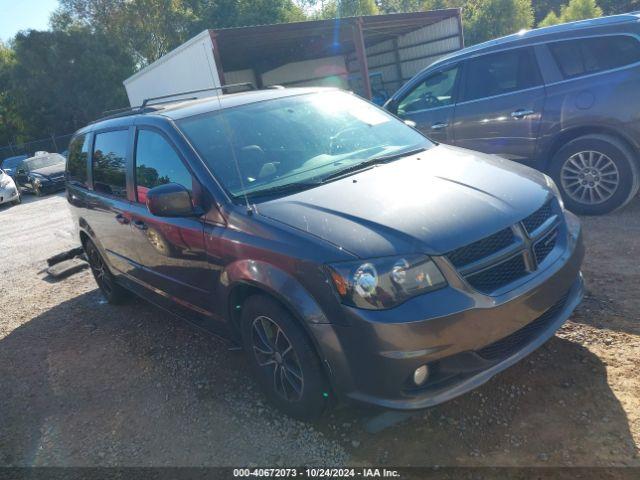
(283,144)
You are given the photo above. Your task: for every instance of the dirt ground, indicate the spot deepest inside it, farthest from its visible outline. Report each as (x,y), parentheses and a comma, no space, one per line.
(83,383)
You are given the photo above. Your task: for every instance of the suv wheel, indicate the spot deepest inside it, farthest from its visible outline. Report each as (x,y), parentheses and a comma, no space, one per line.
(596,174)
(114,293)
(18,200)
(283,359)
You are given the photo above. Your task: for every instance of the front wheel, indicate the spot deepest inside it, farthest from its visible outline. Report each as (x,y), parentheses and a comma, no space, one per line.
(596,174)
(283,359)
(18,200)
(114,293)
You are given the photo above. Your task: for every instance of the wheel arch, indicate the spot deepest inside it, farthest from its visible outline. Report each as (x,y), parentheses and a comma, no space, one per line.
(573,133)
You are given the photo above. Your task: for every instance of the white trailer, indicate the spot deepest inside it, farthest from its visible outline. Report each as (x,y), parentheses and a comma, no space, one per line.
(189,67)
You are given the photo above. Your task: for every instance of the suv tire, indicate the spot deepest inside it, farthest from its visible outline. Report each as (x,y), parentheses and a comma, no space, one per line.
(596,174)
(283,359)
(114,293)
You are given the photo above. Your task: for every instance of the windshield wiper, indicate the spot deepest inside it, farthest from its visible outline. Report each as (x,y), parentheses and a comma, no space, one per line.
(286,188)
(371,162)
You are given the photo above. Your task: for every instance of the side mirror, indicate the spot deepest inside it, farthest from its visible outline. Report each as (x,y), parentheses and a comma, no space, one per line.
(171,200)
(410,123)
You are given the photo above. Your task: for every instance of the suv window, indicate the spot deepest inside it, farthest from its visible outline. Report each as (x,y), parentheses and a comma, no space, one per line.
(109,160)
(436,90)
(157,163)
(500,73)
(77,161)
(591,55)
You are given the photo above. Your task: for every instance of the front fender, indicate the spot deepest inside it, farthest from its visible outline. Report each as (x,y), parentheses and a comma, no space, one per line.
(274,281)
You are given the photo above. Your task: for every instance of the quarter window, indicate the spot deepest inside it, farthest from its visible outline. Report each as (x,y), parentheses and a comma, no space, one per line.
(500,73)
(77,161)
(157,163)
(591,55)
(109,160)
(436,90)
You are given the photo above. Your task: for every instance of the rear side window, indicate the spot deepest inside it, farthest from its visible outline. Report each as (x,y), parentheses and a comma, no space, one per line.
(109,161)
(77,161)
(591,55)
(500,73)
(157,163)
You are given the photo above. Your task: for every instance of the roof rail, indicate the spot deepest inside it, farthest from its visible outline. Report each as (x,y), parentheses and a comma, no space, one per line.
(148,107)
(190,92)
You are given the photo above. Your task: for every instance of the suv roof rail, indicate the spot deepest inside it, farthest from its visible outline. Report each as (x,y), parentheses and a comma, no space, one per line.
(150,104)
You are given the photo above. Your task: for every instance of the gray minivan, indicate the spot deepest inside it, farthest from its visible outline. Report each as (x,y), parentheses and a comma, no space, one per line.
(562,99)
(347,254)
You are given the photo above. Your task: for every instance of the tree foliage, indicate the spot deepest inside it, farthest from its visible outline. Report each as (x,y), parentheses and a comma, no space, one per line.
(487,19)
(61,80)
(574,10)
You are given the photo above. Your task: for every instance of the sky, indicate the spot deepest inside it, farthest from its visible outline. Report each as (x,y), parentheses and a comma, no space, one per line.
(16,15)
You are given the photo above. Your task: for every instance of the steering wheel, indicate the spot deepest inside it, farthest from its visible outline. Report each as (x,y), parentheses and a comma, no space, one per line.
(430,100)
(334,141)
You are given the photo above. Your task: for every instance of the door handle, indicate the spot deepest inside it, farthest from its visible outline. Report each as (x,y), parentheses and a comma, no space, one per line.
(139,224)
(439,126)
(518,114)
(121,219)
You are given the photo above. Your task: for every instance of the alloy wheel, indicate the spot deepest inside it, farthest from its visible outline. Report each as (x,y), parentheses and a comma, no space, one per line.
(590,177)
(99,270)
(275,354)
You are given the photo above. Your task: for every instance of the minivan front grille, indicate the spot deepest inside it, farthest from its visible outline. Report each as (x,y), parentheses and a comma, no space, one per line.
(482,248)
(537,218)
(498,275)
(493,262)
(543,248)
(509,345)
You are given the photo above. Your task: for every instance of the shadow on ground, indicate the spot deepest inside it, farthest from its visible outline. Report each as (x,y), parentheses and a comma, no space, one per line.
(86,383)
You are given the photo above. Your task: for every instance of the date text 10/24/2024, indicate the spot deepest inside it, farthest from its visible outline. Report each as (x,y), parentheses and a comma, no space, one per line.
(316,472)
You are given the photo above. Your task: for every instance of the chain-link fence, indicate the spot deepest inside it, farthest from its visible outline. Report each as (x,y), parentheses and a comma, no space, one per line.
(55,143)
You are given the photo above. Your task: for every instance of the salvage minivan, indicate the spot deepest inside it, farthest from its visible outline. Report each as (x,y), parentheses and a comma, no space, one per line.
(350,256)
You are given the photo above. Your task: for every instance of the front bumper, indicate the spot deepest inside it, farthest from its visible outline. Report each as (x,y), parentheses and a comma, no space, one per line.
(465,337)
(52,186)
(8,194)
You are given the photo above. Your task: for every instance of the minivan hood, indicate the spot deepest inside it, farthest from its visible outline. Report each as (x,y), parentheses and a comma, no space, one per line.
(432,202)
(53,170)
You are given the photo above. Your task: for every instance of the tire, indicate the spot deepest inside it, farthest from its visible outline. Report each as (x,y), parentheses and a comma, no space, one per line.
(596,174)
(37,191)
(114,293)
(294,382)
(18,200)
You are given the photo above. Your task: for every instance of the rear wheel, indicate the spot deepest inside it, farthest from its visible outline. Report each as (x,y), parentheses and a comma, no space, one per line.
(114,293)
(596,174)
(283,359)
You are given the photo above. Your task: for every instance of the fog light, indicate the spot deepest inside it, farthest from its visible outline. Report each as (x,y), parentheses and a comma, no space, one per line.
(420,375)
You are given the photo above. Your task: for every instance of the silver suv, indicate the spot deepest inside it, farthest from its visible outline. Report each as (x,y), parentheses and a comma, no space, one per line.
(562,99)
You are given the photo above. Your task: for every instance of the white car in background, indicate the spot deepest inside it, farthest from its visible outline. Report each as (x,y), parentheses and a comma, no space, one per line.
(8,190)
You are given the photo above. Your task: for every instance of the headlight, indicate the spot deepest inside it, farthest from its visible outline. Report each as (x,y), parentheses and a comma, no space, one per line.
(385,282)
(554,188)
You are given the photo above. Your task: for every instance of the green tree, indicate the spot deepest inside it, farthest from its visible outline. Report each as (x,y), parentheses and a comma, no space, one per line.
(348,8)
(62,80)
(613,7)
(550,19)
(580,10)
(574,10)
(10,123)
(487,19)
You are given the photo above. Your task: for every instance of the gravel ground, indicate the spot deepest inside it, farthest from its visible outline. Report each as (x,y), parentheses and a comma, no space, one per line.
(84,383)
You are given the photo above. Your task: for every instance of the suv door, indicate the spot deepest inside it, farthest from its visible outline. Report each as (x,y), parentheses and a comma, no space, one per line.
(502,97)
(430,103)
(107,212)
(171,253)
